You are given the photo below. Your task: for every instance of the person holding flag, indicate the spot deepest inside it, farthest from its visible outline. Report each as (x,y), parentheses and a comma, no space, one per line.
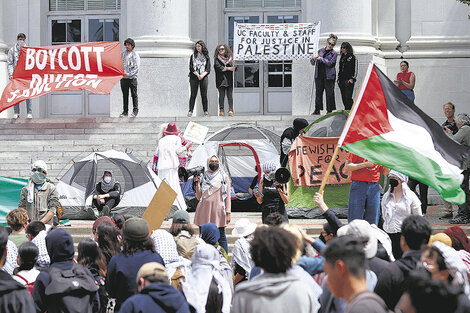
(12,60)
(364,194)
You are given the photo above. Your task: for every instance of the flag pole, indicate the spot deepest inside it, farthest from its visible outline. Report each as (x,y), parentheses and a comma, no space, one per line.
(335,154)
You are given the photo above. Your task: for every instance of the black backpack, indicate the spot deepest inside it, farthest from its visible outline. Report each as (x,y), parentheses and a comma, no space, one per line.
(71,290)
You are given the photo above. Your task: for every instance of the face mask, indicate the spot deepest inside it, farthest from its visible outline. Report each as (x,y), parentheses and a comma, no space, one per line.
(107,179)
(38,178)
(213,166)
(268,176)
(21,43)
(393,182)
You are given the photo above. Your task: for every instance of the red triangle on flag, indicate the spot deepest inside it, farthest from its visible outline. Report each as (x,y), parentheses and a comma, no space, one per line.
(369,117)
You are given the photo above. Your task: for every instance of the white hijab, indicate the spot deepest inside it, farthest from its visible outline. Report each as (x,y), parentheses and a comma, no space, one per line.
(388,209)
(205,266)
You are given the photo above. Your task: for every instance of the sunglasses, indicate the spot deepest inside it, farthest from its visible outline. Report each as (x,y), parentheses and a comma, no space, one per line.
(331,44)
(221,49)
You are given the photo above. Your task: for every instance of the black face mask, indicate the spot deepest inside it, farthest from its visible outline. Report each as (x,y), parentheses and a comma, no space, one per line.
(393,182)
(213,166)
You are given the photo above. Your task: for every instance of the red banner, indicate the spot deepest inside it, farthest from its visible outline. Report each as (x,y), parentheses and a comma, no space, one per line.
(309,158)
(94,66)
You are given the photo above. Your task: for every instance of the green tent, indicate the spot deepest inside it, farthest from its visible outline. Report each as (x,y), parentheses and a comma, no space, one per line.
(10,190)
(330,125)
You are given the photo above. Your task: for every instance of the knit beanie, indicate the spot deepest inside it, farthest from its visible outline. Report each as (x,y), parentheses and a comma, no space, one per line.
(136,229)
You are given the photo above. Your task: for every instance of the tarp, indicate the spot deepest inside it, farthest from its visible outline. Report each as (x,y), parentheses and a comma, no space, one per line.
(94,66)
(10,190)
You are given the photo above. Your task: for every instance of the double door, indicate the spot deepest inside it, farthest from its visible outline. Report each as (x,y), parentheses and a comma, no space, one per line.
(262,87)
(76,29)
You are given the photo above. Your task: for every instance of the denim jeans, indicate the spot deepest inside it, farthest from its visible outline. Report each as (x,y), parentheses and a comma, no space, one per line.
(364,202)
(223,239)
(29,107)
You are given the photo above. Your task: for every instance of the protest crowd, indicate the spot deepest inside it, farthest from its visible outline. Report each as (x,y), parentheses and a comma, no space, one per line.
(385,259)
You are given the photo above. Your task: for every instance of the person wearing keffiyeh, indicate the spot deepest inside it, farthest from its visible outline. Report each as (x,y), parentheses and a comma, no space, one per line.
(39,197)
(445,264)
(224,66)
(199,69)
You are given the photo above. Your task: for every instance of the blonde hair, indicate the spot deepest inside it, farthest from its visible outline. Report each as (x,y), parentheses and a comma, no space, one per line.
(294,230)
(17,218)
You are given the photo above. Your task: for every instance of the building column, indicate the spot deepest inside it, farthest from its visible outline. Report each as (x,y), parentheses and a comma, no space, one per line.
(3,56)
(160,29)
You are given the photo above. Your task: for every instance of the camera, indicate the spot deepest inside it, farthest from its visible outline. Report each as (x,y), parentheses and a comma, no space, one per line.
(184,174)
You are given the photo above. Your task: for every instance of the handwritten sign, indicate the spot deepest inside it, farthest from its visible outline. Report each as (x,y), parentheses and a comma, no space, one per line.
(309,158)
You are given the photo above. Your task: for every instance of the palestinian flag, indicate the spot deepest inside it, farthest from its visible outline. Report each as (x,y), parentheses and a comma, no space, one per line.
(386,128)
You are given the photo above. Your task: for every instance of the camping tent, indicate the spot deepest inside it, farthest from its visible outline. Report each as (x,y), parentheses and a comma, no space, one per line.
(10,190)
(138,182)
(241,148)
(336,196)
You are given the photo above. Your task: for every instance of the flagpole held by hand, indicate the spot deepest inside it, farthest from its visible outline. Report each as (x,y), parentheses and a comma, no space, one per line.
(335,154)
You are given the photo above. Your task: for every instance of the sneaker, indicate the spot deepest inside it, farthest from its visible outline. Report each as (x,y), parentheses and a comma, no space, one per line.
(29,116)
(91,213)
(190,113)
(230,112)
(206,113)
(16,116)
(446,216)
(459,220)
(316,112)
(134,113)
(106,210)
(222,113)
(123,114)
(328,112)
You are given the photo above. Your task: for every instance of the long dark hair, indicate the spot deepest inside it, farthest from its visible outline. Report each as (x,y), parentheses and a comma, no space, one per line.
(205,52)
(108,240)
(130,247)
(349,48)
(89,254)
(28,253)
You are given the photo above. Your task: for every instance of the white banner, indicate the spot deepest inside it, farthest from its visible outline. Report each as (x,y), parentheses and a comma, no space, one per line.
(275,41)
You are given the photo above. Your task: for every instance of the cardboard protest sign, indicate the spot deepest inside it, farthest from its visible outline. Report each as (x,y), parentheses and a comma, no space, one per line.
(159,206)
(309,158)
(275,41)
(195,132)
(94,66)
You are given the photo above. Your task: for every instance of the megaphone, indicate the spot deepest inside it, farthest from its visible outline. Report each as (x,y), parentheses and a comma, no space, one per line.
(184,174)
(281,175)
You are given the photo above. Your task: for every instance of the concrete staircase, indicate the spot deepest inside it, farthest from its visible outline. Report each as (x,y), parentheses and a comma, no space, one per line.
(58,141)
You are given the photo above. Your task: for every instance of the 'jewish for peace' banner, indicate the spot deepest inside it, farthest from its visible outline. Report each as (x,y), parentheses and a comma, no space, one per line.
(275,41)
(94,66)
(309,158)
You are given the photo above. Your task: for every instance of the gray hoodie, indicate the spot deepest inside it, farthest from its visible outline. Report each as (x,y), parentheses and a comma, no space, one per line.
(274,293)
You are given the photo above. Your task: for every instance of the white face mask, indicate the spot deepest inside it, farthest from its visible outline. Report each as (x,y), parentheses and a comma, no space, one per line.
(38,178)
(107,179)
(21,43)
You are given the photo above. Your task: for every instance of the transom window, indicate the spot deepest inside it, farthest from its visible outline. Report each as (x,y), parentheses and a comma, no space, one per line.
(84,5)
(262,3)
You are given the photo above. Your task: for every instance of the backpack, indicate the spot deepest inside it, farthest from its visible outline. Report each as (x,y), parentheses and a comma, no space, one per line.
(185,245)
(71,290)
(29,284)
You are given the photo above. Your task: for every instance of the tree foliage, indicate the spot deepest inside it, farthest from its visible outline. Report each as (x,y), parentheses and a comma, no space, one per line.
(467,2)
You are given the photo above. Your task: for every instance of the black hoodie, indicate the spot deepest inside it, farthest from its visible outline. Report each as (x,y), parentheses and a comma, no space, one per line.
(13,296)
(156,298)
(391,282)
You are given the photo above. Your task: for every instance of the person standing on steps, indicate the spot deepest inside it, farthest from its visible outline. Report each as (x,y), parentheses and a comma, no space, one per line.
(131,64)
(224,66)
(406,81)
(199,69)
(12,59)
(325,75)
(347,74)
